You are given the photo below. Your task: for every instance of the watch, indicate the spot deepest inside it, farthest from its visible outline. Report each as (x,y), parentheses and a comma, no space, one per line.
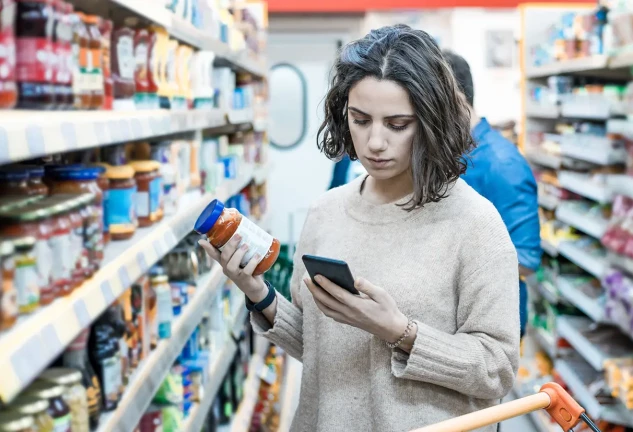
(268,300)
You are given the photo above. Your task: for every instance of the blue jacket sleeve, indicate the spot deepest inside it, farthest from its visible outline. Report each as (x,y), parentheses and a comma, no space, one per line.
(512,189)
(339,175)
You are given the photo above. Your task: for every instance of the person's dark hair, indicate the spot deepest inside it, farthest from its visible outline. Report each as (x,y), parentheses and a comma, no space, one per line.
(464,78)
(412,59)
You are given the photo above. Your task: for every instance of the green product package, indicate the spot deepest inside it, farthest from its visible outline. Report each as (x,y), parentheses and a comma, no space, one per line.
(173,420)
(170,391)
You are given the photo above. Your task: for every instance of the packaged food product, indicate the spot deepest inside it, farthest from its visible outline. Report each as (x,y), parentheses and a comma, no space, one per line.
(76,357)
(35,183)
(149,192)
(16,422)
(93,70)
(120,211)
(8,292)
(141,59)
(34,49)
(78,253)
(220,225)
(164,311)
(152,420)
(104,184)
(171,389)
(25,281)
(8,87)
(57,407)
(82,96)
(14,201)
(123,64)
(74,395)
(152,70)
(14,181)
(142,301)
(36,408)
(104,356)
(105,28)
(62,50)
(161,153)
(34,220)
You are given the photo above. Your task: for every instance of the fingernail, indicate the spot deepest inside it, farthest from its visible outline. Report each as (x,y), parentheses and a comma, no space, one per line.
(319,279)
(305,281)
(245,247)
(238,237)
(257,257)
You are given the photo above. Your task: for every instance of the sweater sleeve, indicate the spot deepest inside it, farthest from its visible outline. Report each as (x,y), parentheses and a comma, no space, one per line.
(287,329)
(481,358)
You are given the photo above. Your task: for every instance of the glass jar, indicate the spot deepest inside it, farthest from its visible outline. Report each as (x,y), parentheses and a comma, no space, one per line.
(220,224)
(8,87)
(62,46)
(34,49)
(26,276)
(60,245)
(123,63)
(14,181)
(75,395)
(33,220)
(94,71)
(80,180)
(104,184)
(13,202)
(8,294)
(36,408)
(57,408)
(105,28)
(79,254)
(164,311)
(121,207)
(149,191)
(15,422)
(82,96)
(35,183)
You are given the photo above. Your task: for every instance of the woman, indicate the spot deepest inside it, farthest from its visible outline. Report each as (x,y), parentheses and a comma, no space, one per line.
(435,333)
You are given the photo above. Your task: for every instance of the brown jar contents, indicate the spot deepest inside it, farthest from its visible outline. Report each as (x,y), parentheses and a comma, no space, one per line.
(14,181)
(94,69)
(60,244)
(8,293)
(36,185)
(123,63)
(82,96)
(148,192)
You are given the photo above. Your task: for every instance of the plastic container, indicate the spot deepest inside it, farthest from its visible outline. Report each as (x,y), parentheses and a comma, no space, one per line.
(123,63)
(94,69)
(8,86)
(220,225)
(8,293)
(34,49)
(74,395)
(120,211)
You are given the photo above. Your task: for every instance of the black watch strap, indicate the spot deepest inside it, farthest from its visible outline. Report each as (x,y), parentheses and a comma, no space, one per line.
(268,300)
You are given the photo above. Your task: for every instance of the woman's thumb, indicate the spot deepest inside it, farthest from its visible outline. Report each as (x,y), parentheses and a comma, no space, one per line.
(366,287)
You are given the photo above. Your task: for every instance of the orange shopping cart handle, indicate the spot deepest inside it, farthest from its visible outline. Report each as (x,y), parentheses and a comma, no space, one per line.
(552,398)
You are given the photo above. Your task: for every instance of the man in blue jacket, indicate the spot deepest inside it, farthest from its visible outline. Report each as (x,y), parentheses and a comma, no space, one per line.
(501,174)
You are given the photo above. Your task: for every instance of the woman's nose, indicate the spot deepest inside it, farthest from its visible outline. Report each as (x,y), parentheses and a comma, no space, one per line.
(377,141)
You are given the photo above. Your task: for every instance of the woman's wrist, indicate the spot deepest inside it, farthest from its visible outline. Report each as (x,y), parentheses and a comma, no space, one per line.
(397,328)
(258,292)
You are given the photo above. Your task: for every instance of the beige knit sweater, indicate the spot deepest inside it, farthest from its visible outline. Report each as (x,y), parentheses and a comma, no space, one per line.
(451,267)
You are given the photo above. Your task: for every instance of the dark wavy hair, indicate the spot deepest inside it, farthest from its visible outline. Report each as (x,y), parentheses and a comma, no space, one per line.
(412,59)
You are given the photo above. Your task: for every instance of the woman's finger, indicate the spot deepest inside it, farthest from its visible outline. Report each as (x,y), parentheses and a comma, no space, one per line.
(210,250)
(323,297)
(252,265)
(229,249)
(331,313)
(340,294)
(233,266)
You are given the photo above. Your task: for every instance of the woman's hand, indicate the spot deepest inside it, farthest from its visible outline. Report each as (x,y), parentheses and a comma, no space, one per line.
(374,311)
(230,259)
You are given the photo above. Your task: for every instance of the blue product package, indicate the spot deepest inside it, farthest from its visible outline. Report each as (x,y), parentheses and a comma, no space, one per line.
(230,168)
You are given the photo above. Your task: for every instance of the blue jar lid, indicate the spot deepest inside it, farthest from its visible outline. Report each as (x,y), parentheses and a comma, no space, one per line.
(77,172)
(35,171)
(14,173)
(209,217)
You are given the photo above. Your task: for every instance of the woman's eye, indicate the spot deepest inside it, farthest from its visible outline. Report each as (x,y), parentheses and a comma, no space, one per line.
(397,128)
(361,122)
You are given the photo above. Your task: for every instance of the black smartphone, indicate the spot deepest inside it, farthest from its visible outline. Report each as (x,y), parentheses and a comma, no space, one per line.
(335,270)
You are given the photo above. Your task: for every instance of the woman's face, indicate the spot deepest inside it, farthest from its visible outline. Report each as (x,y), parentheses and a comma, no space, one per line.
(382,123)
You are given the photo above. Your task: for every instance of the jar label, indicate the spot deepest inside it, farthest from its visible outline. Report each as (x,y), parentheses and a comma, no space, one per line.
(63,74)
(258,240)
(121,208)
(142,204)
(60,245)
(141,61)
(7,55)
(155,193)
(125,57)
(111,379)
(8,296)
(34,60)
(26,284)
(106,209)
(165,313)
(44,263)
(61,424)
(77,248)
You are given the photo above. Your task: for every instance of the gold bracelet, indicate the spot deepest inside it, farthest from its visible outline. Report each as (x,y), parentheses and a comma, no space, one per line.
(397,343)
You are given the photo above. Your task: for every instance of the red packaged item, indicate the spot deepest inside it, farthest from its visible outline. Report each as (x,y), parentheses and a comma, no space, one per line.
(34,51)
(123,66)
(62,48)
(8,88)
(105,28)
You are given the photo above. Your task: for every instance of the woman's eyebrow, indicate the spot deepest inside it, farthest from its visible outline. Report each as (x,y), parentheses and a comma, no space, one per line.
(391,117)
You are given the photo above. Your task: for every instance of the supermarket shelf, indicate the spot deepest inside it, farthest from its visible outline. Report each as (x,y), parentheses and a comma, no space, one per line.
(262,172)
(37,339)
(217,371)
(242,420)
(239,317)
(540,288)
(589,306)
(290,394)
(548,202)
(546,341)
(540,110)
(594,149)
(584,186)
(572,372)
(580,65)
(571,328)
(595,265)
(621,185)
(25,135)
(240,116)
(544,159)
(150,374)
(620,261)
(622,60)
(589,224)
(549,248)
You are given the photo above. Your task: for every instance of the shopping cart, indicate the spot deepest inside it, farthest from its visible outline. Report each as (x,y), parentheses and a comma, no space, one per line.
(552,398)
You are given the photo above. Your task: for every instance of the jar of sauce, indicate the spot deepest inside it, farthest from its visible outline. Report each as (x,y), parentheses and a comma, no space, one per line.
(104,184)
(26,277)
(57,408)
(15,422)
(164,310)
(75,395)
(36,185)
(8,87)
(220,224)
(34,220)
(78,179)
(149,191)
(36,408)
(82,96)
(34,50)
(105,28)
(121,209)
(61,246)
(62,46)
(141,45)
(8,293)
(14,181)
(123,63)
(94,71)
(79,255)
